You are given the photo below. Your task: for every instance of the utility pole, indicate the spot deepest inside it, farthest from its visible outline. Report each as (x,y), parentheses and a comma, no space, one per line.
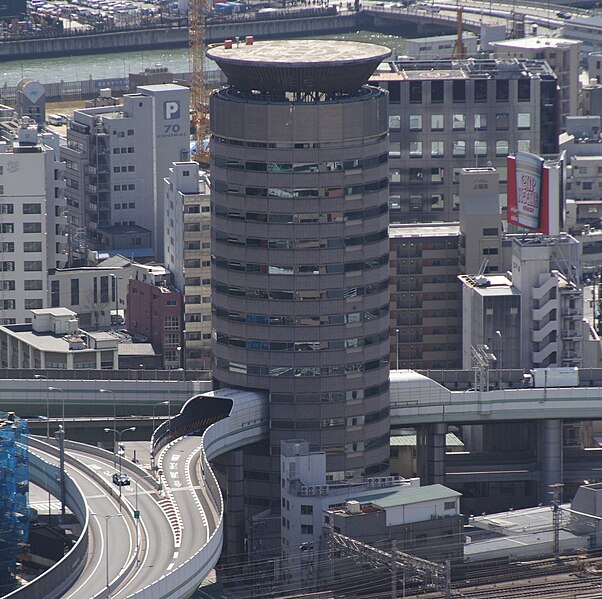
(393,569)
(60,436)
(556,493)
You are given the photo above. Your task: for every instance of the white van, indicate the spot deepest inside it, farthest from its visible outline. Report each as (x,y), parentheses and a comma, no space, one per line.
(56,119)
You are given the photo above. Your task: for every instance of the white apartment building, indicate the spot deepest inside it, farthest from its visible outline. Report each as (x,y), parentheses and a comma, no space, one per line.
(54,340)
(532,316)
(31,221)
(117,158)
(188,254)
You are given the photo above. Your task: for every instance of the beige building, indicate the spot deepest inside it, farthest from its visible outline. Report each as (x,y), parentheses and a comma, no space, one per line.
(425,308)
(561,54)
(188,255)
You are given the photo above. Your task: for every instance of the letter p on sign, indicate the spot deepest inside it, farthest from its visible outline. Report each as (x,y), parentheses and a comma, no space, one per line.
(171,110)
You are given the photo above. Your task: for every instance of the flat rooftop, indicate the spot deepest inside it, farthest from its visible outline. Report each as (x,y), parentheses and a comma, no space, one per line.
(537,43)
(300,52)
(277,66)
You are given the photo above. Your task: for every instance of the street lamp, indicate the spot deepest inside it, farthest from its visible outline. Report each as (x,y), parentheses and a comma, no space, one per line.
(114,414)
(136,512)
(119,433)
(159,403)
(499,362)
(107,517)
(62,402)
(39,377)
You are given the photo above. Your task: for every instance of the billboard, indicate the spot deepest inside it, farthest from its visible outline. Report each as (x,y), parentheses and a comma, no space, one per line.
(528,192)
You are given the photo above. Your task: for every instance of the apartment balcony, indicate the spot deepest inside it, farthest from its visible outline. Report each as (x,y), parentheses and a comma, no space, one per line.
(543,312)
(539,293)
(572,334)
(541,356)
(572,312)
(572,355)
(92,188)
(571,291)
(538,335)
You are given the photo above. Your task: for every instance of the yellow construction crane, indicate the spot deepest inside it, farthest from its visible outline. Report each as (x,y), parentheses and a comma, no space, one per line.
(459,50)
(199,97)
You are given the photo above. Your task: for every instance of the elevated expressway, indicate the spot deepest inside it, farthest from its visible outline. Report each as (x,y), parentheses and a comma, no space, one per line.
(182,528)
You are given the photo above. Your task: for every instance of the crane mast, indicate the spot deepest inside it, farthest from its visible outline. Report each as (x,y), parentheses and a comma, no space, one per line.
(199,100)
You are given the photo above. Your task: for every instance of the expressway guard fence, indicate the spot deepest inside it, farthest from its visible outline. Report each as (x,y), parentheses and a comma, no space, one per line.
(57,579)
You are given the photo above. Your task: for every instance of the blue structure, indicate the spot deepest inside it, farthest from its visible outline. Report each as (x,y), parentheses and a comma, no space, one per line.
(14,488)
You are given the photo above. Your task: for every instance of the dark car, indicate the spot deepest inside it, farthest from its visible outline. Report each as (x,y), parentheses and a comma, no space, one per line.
(564,15)
(121,480)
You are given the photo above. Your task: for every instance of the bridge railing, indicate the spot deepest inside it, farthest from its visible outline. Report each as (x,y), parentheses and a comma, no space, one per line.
(247,423)
(57,579)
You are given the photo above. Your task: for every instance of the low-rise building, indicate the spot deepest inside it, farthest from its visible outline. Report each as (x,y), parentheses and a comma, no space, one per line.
(53,340)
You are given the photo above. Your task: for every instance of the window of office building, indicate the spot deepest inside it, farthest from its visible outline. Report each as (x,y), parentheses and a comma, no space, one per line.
(437,122)
(436,149)
(437,92)
(480,148)
(501,147)
(480,90)
(415,92)
(415,122)
(415,149)
(524,90)
(459,148)
(502,90)
(459,122)
(459,91)
(524,120)
(480,122)
(502,121)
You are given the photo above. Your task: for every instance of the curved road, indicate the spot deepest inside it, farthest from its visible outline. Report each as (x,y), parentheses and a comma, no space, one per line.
(179,462)
(94,577)
(155,531)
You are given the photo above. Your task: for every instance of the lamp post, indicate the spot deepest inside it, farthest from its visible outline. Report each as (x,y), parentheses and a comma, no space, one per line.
(116,280)
(119,433)
(498,334)
(39,377)
(136,512)
(114,417)
(60,437)
(159,403)
(62,403)
(107,517)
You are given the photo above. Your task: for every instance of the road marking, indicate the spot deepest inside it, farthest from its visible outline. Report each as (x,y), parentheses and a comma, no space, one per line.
(170,566)
(175,554)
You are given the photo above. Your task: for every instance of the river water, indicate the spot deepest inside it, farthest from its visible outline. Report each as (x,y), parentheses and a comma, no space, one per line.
(119,64)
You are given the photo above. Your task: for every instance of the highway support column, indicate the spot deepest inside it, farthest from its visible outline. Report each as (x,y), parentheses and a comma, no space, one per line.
(551,457)
(430,453)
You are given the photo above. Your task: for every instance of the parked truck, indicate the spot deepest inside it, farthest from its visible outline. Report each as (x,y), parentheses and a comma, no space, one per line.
(555,377)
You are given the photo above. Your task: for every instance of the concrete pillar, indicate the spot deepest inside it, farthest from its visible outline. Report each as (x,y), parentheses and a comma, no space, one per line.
(430,453)
(235,514)
(550,457)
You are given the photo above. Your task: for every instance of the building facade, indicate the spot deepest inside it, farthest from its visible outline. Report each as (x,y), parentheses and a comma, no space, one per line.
(116,159)
(447,115)
(32,222)
(300,247)
(188,256)
(563,55)
(426,301)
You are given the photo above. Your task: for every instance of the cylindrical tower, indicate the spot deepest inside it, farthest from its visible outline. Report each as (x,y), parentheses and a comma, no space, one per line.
(300,244)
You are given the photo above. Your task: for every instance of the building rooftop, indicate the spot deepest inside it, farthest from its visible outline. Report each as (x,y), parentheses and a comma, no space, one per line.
(278,66)
(406,495)
(424,230)
(471,68)
(537,42)
(408,439)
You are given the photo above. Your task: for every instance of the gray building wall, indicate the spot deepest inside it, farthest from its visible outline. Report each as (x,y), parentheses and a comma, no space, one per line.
(300,276)
(444,116)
